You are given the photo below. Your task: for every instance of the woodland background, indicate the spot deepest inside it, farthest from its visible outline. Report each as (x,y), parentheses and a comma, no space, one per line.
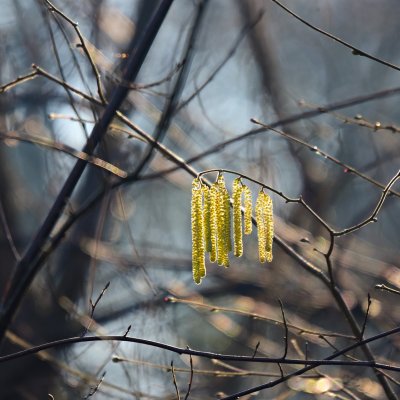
(126,261)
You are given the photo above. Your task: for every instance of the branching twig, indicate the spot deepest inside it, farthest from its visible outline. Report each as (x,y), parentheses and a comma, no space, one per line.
(83,46)
(93,308)
(346,167)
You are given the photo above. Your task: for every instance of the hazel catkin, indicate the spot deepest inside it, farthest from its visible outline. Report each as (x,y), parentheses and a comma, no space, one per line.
(237,190)
(265,228)
(248,206)
(207,219)
(223,223)
(213,221)
(212,225)
(198,262)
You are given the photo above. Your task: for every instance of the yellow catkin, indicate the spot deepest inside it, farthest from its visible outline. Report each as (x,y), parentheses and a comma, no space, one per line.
(223,223)
(248,225)
(228,222)
(213,221)
(265,226)
(207,219)
(269,227)
(198,263)
(261,231)
(237,190)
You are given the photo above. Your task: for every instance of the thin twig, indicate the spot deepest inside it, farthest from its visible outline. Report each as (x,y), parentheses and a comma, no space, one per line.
(190,378)
(293,118)
(229,55)
(7,232)
(81,155)
(175,382)
(256,349)
(211,307)
(83,46)
(311,363)
(364,325)
(18,81)
(355,50)
(93,391)
(387,288)
(286,337)
(93,308)
(346,167)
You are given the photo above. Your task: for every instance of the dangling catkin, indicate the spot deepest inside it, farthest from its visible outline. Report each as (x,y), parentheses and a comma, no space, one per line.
(207,219)
(227,202)
(248,206)
(223,223)
(237,190)
(265,227)
(262,237)
(213,221)
(198,263)
(269,221)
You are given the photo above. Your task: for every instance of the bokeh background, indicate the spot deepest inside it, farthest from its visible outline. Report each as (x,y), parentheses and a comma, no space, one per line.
(250,59)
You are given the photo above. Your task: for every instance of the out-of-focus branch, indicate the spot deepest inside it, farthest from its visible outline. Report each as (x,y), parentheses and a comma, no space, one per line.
(356,51)
(25,272)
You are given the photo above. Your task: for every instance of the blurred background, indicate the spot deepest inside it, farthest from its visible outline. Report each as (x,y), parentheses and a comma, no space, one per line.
(248,59)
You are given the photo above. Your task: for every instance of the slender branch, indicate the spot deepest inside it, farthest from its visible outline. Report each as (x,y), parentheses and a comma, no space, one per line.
(233,372)
(366,317)
(190,379)
(178,395)
(286,337)
(387,288)
(279,193)
(93,308)
(211,307)
(61,71)
(347,168)
(82,45)
(93,390)
(293,118)
(44,142)
(173,100)
(356,51)
(311,363)
(229,55)
(373,216)
(7,232)
(18,81)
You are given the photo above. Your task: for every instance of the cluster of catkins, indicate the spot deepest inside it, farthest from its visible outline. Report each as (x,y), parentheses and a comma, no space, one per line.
(212,223)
